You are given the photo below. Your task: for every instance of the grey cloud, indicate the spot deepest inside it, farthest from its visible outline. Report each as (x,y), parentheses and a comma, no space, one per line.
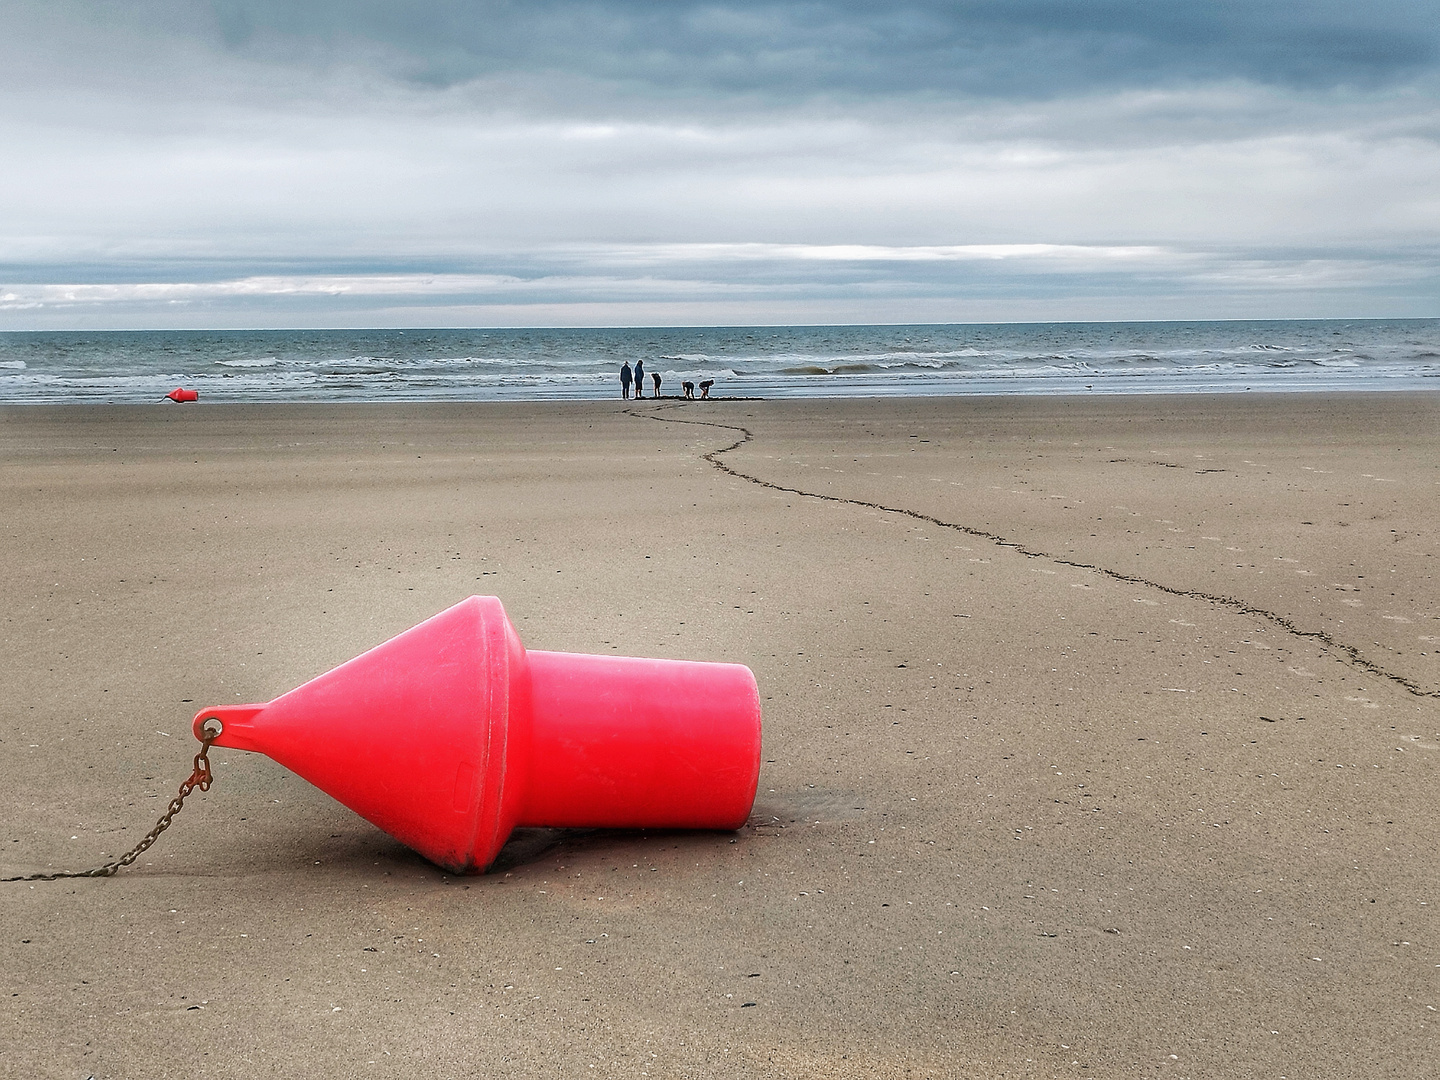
(784,51)
(985,47)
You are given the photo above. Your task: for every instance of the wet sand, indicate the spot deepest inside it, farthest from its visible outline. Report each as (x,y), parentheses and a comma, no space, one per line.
(1101,738)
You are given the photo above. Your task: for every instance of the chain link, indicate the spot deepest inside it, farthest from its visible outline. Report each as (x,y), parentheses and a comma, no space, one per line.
(199,778)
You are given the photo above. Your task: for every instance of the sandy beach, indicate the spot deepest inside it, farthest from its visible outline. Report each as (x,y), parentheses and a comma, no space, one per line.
(1100,738)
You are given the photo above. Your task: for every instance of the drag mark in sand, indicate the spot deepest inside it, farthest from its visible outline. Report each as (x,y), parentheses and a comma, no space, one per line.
(1323,638)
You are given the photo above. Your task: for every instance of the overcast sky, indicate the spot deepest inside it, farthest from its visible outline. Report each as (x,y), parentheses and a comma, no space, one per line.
(474,163)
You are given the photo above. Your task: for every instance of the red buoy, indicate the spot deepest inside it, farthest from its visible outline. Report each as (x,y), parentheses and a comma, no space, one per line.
(181,394)
(450,735)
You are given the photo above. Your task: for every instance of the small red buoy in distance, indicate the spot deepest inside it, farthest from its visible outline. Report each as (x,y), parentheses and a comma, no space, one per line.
(451,734)
(182,395)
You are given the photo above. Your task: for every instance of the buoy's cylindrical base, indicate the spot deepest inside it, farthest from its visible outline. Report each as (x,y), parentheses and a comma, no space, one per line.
(623,742)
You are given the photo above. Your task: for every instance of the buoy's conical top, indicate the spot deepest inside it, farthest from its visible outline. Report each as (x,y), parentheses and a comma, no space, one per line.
(450,735)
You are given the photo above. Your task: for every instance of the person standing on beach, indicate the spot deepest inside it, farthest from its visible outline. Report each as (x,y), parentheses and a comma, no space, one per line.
(625,380)
(639,378)
(655,378)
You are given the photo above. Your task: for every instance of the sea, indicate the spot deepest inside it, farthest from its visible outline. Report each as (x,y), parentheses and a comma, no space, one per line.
(140,367)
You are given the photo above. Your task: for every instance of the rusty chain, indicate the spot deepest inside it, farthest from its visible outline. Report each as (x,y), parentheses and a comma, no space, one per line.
(199,778)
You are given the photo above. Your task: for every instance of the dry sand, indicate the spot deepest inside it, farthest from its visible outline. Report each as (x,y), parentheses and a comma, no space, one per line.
(1101,739)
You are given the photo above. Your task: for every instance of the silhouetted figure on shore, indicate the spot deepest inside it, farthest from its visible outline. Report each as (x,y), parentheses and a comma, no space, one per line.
(639,378)
(705,387)
(688,388)
(625,378)
(655,378)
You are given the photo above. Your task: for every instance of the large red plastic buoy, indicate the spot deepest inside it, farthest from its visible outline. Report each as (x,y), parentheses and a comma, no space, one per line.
(452,734)
(181,394)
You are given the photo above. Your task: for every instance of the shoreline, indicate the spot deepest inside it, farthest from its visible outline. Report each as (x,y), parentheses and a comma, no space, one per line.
(1071,396)
(509,395)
